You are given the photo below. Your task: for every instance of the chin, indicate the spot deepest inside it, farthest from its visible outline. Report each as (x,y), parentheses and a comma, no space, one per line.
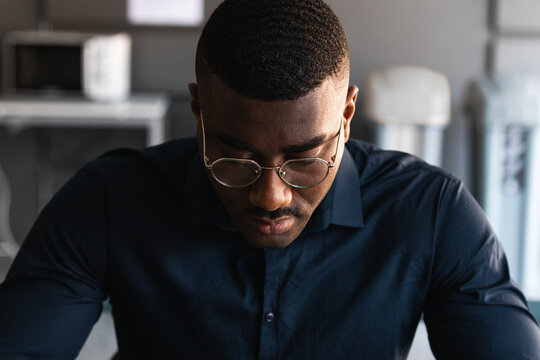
(269,241)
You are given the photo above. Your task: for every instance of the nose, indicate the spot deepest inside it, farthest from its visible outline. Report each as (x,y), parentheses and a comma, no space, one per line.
(269,192)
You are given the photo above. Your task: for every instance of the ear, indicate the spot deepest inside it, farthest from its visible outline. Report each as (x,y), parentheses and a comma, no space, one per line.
(348,111)
(194,102)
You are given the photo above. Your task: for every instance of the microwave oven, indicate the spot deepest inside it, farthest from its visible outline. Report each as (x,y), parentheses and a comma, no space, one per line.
(97,66)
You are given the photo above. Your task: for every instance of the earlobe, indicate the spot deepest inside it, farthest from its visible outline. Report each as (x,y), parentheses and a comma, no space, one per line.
(346,129)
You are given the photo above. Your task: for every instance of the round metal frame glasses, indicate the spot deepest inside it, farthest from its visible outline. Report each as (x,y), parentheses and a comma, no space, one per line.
(299,173)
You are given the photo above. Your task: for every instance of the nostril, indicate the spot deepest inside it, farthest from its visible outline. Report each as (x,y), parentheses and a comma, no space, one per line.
(270,192)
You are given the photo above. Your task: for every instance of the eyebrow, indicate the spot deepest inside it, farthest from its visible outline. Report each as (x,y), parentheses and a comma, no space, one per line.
(305,146)
(235,143)
(290,149)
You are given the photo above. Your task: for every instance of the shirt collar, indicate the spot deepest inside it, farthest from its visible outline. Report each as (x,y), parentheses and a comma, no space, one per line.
(347,202)
(341,206)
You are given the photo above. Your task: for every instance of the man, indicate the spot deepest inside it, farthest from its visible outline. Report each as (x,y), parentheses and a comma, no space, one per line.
(271,235)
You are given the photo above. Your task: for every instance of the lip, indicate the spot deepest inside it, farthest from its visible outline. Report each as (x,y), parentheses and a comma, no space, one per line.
(273,227)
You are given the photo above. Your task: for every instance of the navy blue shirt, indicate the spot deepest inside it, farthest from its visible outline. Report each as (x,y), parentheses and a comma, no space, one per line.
(393,239)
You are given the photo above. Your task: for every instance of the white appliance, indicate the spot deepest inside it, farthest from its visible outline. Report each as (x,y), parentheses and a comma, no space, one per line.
(506,112)
(97,66)
(410,107)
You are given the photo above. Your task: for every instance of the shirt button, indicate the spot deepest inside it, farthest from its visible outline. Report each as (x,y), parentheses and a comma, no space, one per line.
(269,317)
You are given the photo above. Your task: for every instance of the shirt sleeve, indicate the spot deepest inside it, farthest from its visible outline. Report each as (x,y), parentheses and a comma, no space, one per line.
(54,290)
(474,310)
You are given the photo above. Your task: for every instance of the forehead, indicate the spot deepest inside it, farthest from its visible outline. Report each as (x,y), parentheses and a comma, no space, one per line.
(277,122)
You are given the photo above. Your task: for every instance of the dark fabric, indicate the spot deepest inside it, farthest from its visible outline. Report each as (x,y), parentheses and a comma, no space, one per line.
(394,238)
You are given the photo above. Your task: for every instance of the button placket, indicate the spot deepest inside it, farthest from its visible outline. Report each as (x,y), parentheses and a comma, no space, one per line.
(268,335)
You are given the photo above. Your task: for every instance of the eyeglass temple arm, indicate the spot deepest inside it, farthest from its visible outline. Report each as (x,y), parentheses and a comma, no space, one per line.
(205,158)
(341,125)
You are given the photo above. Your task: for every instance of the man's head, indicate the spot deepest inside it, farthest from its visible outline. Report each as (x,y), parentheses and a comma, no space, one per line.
(272,85)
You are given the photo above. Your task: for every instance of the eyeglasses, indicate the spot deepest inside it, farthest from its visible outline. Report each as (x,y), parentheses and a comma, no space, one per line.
(299,173)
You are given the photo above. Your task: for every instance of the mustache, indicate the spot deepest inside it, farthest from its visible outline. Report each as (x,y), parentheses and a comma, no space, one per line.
(272,215)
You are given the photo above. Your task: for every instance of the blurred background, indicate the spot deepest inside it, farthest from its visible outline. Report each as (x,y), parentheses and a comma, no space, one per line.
(466,69)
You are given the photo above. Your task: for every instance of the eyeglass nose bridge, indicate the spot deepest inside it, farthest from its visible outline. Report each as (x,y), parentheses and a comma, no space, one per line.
(277,167)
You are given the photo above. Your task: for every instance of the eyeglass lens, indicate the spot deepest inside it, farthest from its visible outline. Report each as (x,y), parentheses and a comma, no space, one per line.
(300,173)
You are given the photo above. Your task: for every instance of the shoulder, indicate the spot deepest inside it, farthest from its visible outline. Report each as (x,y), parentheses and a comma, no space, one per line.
(169,161)
(404,198)
(171,152)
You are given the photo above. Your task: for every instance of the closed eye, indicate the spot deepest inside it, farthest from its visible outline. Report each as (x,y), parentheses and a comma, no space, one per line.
(302,162)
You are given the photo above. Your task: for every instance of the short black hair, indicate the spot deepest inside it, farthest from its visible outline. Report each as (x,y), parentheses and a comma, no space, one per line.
(272,49)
